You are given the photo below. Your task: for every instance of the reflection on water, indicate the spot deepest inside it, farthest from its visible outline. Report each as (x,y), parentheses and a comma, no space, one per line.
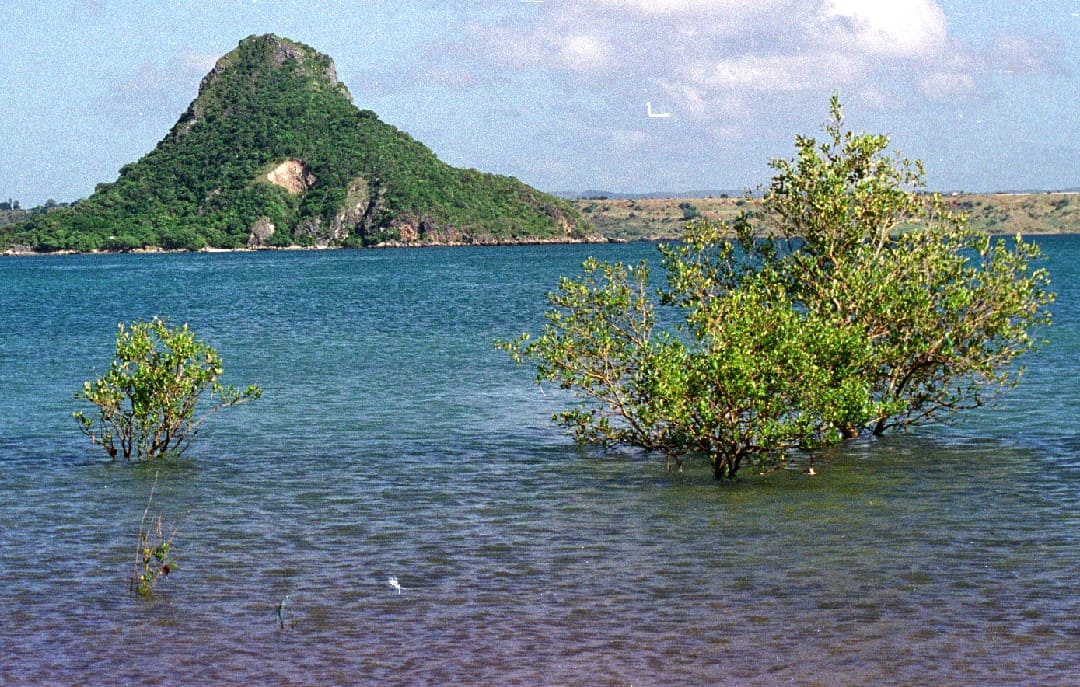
(394,441)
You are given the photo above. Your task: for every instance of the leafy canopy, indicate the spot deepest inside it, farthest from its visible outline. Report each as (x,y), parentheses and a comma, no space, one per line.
(853,303)
(148,404)
(945,309)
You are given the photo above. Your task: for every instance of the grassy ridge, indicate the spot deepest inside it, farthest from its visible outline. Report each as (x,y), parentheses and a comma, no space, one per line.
(663,218)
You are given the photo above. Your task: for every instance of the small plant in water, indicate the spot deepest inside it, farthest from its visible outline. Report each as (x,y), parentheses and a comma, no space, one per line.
(279,611)
(152,552)
(148,403)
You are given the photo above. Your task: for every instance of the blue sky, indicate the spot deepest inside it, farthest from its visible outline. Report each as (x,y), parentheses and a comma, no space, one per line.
(986,93)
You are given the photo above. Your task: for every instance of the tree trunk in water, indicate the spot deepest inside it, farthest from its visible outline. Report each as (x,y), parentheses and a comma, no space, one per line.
(725,466)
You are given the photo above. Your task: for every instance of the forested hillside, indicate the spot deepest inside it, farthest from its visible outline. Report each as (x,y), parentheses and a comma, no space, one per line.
(273,152)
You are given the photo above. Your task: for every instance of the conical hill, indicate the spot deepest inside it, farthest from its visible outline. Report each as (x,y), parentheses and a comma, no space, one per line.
(273,152)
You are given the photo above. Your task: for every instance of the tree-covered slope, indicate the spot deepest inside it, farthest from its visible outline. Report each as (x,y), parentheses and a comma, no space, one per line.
(273,152)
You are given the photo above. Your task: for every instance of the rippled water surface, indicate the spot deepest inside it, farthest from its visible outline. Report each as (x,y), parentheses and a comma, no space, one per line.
(393,440)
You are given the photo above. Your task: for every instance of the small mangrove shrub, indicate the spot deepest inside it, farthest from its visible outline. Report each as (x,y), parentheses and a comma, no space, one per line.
(158,391)
(152,551)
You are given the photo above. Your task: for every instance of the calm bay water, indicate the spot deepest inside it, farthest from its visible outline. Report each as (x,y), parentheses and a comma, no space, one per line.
(393,440)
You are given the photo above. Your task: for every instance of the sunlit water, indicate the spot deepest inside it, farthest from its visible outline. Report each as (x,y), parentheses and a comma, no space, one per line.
(393,440)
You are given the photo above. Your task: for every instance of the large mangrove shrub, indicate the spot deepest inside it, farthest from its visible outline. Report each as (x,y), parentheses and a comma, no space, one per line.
(158,391)
(852,303)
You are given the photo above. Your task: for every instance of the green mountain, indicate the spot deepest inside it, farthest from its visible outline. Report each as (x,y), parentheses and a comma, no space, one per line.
(273,152)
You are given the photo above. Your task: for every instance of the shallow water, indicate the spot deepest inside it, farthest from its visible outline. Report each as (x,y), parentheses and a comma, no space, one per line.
(393,440)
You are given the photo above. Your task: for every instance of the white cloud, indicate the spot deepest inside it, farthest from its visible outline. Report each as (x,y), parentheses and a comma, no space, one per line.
(1016,54)
(784,45)
(893,27)
(948,86)
(775,73)
(710,58)
(581,52)
(679,6)
(557,47)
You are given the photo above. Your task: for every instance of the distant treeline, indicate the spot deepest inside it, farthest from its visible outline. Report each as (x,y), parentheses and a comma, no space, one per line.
(11,211)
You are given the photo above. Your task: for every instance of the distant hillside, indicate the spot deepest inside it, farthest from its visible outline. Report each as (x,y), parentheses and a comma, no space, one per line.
(273,152)
(1025,213)
(664,218)
(606,195)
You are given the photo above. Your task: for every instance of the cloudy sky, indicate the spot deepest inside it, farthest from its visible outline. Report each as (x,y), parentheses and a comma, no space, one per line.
(985,92)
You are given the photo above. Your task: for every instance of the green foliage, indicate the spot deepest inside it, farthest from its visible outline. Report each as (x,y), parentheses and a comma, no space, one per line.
(152,552)
(747,377)
(689,210)
(600,341)
(853,304)
(268,101)
(148,404)
(945,309)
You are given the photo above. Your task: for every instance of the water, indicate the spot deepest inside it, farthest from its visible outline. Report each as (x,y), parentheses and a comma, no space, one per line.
(393,440)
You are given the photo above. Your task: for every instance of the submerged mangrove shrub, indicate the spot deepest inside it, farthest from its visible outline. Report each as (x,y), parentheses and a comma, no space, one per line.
(854,303)
(152,551)
(158,391)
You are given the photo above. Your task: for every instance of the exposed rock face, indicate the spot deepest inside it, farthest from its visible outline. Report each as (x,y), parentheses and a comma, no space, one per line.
(557,215)
(408,228)
(292,175)
(261,232)
(363,202)
(281,50)
(357,217)
(357,204)
(312,231)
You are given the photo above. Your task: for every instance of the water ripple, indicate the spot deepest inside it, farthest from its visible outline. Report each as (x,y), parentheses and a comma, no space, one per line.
(393,441)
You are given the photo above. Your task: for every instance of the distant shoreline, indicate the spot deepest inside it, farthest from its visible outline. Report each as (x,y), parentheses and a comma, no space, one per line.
(390,245)
(623,220)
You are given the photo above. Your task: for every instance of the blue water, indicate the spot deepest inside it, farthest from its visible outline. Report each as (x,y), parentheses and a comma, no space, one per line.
(393,440)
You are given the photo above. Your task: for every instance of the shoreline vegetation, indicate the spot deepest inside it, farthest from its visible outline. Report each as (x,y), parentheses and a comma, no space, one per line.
(156,250)
(623,220)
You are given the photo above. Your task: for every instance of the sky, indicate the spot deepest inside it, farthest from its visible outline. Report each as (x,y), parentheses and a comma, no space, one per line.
(568,96)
